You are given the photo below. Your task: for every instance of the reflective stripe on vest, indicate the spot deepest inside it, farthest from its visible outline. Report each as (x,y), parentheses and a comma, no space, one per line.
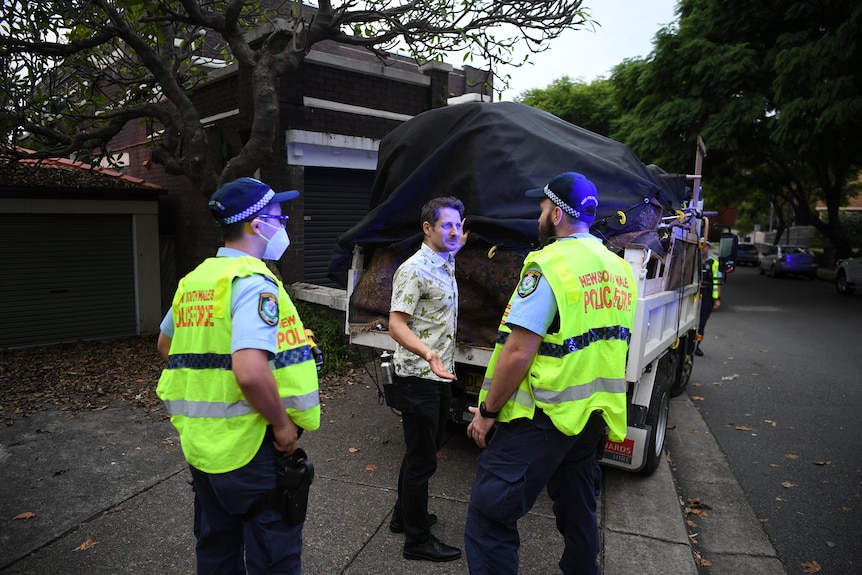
(235,409)
(576,343)
(222,361)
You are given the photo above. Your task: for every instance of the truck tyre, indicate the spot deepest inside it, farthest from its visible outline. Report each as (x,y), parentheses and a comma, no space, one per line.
(656,418)
(682,364)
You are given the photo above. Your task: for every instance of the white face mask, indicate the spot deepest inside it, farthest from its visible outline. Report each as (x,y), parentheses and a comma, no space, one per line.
(277,244)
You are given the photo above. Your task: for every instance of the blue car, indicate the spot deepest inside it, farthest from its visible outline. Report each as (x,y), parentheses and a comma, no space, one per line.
(782,260)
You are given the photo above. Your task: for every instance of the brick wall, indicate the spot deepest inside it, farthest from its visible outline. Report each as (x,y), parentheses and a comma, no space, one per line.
(183,211)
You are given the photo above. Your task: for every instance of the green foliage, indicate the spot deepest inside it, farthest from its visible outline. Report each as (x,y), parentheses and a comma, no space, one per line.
(852,224)
(772,87)
(589,106)
(328,335)
(73,73)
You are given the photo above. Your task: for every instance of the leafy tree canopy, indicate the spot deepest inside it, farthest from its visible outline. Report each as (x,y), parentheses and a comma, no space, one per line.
(74,72)
(772,86)
(589,106)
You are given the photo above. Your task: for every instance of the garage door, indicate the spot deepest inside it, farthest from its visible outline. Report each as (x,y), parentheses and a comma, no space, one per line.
(65,278)
(335,200)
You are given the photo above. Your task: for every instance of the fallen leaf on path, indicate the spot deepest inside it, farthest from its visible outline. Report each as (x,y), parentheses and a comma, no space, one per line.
(791,456)
(811,567)
(696,384)
(25,515)
(822,462)
(352,449)
(770,422)
(696,398)
(696,502)
(831,544)
(743,428)
(85,545)
(788,484)
(370,467)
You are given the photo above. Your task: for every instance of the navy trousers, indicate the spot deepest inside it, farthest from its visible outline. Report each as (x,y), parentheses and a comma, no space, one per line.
(424,407)
(522,458)
(229,543)
(706,305)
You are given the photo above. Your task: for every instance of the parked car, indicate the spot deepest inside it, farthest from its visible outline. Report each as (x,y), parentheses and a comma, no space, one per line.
(746,254)
(848,274)
(781,260)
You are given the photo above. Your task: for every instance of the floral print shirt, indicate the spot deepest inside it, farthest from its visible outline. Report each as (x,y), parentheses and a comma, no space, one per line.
(424,287)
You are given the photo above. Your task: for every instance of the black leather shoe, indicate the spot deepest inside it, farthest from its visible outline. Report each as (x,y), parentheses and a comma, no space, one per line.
(697,352)
(395,525)
(431,550)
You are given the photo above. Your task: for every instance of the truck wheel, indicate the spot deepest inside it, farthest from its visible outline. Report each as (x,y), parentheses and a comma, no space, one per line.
(656,418)
(682,364)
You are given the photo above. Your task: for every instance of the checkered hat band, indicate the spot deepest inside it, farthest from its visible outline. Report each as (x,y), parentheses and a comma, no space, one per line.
(249,210)
(562,205)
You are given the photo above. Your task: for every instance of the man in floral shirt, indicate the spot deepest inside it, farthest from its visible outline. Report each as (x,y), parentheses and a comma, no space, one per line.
(423,318)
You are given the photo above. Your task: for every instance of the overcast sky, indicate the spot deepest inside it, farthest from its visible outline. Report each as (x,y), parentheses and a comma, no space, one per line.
(627,30)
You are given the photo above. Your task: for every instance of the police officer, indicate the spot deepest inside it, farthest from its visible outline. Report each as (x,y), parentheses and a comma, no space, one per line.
(710,292)
(556,379)
(240,384)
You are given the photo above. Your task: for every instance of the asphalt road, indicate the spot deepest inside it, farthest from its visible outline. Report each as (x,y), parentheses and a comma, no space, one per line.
(779,388)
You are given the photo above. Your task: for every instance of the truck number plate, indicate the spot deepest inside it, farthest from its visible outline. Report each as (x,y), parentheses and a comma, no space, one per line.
(473,381)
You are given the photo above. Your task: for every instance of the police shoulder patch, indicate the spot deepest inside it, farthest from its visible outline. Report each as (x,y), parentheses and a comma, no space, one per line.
(529,283)
(268,308)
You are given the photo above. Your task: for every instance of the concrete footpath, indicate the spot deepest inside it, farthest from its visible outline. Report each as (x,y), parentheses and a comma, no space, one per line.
(727,536)
(107,492)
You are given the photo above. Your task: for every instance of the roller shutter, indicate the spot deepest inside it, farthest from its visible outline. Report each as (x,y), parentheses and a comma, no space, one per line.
(335,200)
(65,278)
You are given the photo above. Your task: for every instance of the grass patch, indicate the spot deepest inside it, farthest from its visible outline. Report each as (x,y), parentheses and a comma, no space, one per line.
(328,334)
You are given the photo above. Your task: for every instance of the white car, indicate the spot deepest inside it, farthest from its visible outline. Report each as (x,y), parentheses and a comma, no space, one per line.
(848,274)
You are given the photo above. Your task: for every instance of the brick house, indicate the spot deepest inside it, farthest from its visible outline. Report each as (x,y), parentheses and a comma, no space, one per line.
(333,113)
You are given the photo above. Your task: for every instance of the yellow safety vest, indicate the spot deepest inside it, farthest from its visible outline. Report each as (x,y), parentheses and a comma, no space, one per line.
(580,368)
(219,430)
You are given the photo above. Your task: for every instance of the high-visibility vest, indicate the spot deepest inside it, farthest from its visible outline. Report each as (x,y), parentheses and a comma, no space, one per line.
(711,278)
(219,430)
(580,368)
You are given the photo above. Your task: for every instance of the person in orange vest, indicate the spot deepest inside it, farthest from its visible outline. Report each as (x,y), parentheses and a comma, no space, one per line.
(240,386)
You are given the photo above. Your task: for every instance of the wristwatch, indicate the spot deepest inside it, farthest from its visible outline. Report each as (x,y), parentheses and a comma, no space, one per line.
(485,413)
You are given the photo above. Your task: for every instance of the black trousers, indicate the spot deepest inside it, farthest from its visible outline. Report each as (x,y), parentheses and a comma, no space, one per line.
(424,407)
(706,305)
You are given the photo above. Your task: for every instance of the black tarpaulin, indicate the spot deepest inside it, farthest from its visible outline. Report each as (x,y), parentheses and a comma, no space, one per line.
(489,154)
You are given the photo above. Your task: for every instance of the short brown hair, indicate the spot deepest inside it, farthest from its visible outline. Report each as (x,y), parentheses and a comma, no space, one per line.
(431,210)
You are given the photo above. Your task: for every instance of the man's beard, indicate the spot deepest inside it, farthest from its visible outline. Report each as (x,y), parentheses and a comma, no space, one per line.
(546,230)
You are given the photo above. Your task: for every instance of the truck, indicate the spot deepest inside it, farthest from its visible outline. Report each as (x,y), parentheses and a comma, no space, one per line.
(488,154)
